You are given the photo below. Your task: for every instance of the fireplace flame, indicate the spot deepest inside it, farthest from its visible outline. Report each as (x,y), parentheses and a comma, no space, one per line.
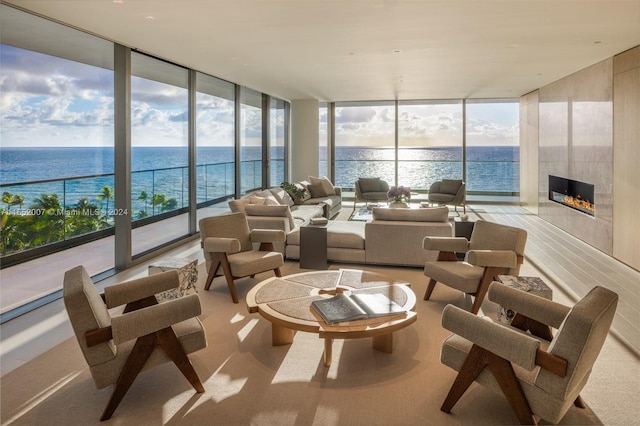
(579,203)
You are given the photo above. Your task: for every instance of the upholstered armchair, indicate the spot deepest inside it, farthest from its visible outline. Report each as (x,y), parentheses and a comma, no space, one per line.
(227,242)
(370,189)
(539,373)
(145,335)
(448,192)
(493,249)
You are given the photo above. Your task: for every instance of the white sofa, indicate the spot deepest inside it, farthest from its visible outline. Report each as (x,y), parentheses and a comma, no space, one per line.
(393,237)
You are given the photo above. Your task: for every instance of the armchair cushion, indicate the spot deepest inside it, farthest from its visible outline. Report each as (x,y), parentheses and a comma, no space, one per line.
(252,262)
(465,275)
(505,342)
(268,236)
(221,245)
(497,258)
(141,322)
(121,294)
(452,244)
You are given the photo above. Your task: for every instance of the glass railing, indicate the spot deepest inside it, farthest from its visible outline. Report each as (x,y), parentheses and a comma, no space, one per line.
(38,213)
(501,176)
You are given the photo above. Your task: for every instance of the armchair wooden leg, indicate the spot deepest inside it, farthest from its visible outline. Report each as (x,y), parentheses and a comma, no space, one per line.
(215,265)
(430,287)
(138,357)
(476,361)
(171,345)
(579,402)
(226,268)
(483,287)
(277,272)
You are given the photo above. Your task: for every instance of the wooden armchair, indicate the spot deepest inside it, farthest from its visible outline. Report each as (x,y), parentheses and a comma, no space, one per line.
(227,242)
(493,249)
(540,374)
(146,335)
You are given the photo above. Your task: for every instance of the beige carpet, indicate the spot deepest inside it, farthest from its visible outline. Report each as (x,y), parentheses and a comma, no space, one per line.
(250,382)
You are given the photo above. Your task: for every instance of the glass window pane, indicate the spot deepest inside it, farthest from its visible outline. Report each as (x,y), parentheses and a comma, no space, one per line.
(365,142)
(429,142)
(56,129)
(215,142)
(159,154)
(493,146)
(323,139)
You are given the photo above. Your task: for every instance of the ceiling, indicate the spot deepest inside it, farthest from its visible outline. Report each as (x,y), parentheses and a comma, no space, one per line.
(348,50)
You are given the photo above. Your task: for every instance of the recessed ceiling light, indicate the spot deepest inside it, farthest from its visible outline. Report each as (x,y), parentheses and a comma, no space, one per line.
(513,46)
(397,51)
(149,18)
(598,42)
(351,53)
(118,1)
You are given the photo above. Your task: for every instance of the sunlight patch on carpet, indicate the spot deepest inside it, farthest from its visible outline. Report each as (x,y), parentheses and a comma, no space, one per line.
(244,331)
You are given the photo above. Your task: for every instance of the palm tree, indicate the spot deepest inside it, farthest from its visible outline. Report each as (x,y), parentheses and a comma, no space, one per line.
(144,196)
(7,197)
(106,194)
(158,200)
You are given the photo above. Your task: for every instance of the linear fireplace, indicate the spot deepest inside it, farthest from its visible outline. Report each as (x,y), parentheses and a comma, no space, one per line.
(572,193)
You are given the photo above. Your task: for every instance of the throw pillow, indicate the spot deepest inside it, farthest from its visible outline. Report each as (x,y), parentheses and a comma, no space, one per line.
(266,194)
(316,190)
(369,184)
(237,206)
(326,184)
(282,196)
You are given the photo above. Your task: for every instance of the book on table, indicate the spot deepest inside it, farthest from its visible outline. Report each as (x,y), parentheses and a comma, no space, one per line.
(344,308)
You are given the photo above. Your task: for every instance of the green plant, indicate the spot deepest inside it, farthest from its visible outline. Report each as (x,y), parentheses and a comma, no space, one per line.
(298,193)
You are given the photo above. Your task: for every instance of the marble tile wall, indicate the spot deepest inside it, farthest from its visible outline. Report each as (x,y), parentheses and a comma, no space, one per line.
(575,135)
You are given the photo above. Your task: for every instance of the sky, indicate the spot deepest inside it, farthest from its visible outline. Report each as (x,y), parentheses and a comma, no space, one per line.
(49,101)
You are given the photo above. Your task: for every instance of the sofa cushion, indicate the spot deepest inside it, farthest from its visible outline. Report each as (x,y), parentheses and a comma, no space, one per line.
(327,186)
(265,210)
(282,196)
(306,212)
(369,184)
(430,214)
(340,234)
(449,186)
(238,206)
(265,193)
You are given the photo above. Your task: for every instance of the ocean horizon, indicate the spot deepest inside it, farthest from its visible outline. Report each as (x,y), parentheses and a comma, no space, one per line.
(494,169)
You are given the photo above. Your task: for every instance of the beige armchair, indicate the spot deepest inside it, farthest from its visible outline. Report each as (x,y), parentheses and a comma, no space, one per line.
(370,189)
(146,335)
(448,192)
(539,374)
(227,242)
(493,249)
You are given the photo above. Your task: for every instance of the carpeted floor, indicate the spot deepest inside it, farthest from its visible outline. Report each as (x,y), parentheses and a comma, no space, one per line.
(250,382)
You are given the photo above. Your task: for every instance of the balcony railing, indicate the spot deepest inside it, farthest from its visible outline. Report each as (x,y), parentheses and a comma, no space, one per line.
(49,212)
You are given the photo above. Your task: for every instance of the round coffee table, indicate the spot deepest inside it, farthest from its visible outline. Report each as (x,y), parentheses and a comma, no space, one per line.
(286,303)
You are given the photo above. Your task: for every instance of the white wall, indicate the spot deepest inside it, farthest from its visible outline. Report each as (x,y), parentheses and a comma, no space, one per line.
(305,128)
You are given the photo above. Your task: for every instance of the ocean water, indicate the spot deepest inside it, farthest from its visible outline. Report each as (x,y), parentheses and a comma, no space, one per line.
(163,170)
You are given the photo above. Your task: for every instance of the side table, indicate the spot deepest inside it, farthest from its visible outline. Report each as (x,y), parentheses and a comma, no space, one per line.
(533,285)
(187,273)
(313,247)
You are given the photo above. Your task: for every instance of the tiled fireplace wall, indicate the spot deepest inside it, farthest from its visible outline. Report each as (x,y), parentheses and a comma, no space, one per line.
(585,127)
(576,142)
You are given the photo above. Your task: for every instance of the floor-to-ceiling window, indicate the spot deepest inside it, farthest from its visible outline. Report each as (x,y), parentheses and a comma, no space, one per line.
(250,140)
(277,128)
(56,157)
(429,142)
(159,149)
(365,142)
(493,146)
(215,141)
